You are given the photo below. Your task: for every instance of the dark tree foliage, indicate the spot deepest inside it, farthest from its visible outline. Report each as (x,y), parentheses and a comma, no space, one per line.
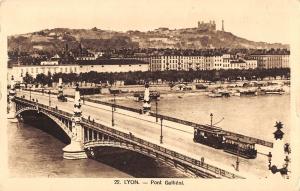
(28,79)
(44,79)
(133,78)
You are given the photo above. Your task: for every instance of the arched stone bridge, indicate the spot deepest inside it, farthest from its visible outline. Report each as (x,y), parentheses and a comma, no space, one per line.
(98,135)
(62,122)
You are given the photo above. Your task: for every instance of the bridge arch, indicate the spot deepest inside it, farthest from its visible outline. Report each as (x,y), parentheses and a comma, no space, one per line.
(117,144)
(75,150)
(167,160)
(59,123)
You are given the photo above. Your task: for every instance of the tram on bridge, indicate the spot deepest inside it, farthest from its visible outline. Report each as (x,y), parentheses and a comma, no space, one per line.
(240,147)
(211,137)
(217,138)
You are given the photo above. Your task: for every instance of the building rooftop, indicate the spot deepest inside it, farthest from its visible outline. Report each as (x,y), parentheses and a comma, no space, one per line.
(237,61)
(271,52)
(110,62)
(190,53)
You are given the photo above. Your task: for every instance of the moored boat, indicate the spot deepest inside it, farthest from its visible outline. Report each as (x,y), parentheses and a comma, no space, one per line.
(219,93)
(273,90)
(247,92)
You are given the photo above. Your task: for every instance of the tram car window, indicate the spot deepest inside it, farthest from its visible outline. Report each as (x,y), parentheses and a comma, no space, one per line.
(212,137)
(240,146)
(216,138)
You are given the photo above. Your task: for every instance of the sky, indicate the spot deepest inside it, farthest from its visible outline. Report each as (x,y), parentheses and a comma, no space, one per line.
(258,20)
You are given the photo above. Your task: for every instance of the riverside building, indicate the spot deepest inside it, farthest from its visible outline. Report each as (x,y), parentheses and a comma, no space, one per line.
(272,59)
(80,66)
(204,61)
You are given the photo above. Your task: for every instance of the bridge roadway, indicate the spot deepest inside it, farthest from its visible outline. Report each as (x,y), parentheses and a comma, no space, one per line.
(176,137)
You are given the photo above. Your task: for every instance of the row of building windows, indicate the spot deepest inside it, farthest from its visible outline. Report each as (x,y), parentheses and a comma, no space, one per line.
(43,70)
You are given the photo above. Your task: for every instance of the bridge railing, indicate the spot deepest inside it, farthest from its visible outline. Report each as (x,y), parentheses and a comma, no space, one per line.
(184,122)
(42,106)
(201,126)
(166,151)
(90,100)
(41,91)
(134,139)
(114,105)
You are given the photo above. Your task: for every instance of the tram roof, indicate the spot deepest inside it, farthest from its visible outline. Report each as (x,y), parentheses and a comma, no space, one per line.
(208,128)
(240,140)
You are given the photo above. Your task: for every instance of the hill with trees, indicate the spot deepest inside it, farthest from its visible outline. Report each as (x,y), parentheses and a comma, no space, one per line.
(51,40)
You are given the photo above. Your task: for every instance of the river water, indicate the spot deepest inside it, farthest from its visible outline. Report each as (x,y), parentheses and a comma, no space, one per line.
(33,152)
(254,116)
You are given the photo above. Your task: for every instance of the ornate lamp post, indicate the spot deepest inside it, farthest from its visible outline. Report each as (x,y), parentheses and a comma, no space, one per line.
(75,150)
(49,98)
(11,104)
(274,169)
(82,98)
(30,93)
(114,102)
(156,110)
(211,119)
(161,125)
(60,95)
(147,102)
(278,135)
(237,163)
(112,115)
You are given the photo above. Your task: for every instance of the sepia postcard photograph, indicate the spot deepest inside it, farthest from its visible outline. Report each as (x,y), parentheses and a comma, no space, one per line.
(150,95)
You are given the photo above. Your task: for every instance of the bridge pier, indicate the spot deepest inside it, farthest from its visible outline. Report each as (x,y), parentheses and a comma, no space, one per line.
(75,149)
(12,105)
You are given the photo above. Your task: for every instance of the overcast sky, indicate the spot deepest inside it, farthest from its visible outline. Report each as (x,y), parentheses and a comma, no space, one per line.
(258,20)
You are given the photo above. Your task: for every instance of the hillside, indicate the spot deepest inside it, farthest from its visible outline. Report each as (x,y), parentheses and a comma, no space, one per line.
(52,40)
